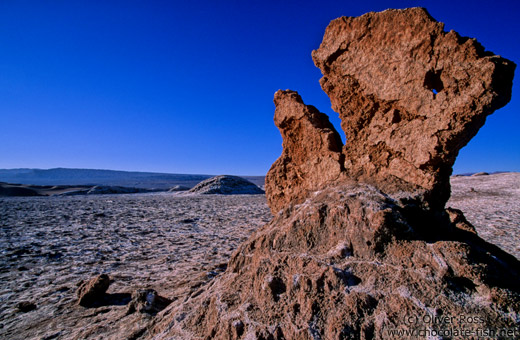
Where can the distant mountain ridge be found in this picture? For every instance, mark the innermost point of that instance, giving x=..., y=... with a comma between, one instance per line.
x=135, y=179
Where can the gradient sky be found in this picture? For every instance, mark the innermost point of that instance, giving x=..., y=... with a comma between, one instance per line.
x=187, y=87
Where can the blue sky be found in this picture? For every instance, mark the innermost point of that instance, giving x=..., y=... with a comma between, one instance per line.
x=187, y=87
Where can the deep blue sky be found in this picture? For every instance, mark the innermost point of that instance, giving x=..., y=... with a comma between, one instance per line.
x=187, y=87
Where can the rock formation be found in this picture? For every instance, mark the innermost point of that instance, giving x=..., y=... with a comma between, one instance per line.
x=226, y=185
x=361, y=246
x=92, y=292
x=147, y=301
x=351, y=263
x=311, y=157
x=409, y=95
x=7, y=190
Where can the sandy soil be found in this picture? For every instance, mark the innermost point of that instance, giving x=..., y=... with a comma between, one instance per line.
x=171, y=243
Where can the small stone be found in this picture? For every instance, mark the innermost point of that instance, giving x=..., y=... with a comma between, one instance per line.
x=147, y=301
x=92, y=292
x=25, y=306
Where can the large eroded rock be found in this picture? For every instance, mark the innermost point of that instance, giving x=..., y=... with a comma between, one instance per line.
x=409, y=95
x=361, y=246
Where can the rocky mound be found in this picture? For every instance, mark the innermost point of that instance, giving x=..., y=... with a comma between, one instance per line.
x=226, y=185
x=361, y=246
x=354, y=263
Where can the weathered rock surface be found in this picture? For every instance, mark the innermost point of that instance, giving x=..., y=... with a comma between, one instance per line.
x=409, y=95
x=353, y=263
x=311, y=157
x=226, y=185
x=92, y=292
x=361, y=245
x=147, y=301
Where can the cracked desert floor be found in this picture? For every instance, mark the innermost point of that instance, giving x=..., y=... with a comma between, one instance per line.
x=171, y=243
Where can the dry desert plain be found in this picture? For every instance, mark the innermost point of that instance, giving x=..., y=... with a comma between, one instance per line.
x=168, y=242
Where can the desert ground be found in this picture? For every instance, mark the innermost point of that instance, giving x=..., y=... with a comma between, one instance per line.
x=492, y=204
x=173, y=243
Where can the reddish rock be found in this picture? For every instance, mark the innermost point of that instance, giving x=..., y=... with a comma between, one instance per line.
x=361, y=244
x=311, y=156
x=92, y=292
x=409, y=95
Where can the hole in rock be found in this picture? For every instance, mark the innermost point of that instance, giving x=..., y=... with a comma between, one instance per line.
x=348, y=278
x=396, y=116
x=277, y=287
x=296, y=308
x=433, y=82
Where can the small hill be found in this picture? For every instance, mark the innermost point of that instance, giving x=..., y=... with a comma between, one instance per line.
x=226, y=185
